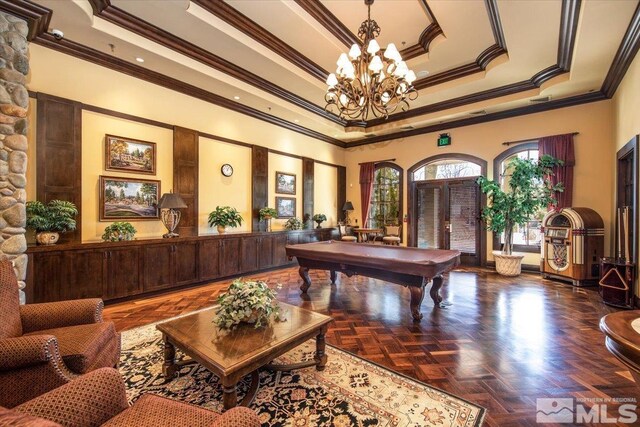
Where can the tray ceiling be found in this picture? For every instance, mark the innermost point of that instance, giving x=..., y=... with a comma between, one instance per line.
x=475, y=60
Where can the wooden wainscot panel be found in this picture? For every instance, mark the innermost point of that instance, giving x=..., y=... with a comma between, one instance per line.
x=83, y=274
x=185, y=177
x=229, y=256
x=265, y=254
x=185, y=263
x=157, y=266
x=249, y=259
x=47, y=276
x=279, y=253
x=259, y=183
x=209, y=259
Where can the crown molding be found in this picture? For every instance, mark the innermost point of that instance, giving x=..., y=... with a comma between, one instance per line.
x=250, y=28
x=115, y=15
x=86, y=53
x=37, y=17
x=624, y=56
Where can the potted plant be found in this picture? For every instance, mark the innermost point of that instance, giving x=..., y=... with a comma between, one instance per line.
x=51, y=219
x=223, y=217
x=118, y=231
x=293, y=224
x=247, y=302
x=319, y=218
x=266, y=214
x=528, y=189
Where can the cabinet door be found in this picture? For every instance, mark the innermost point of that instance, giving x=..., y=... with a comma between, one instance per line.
x=186, y=262
x=158, y=267
x=209, y=259
x=265, y=253
x=229, y=256
x=83, y=274
x=47, y=273
x=249, y=254
x=279, y=253
x=123, y=272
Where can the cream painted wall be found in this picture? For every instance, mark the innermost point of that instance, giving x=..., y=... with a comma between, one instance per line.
x=280, y=163
x=217, y=190
x=94, y=128
x=83, y=81
x=627, y=119
x=324, y=201
x=595, y=154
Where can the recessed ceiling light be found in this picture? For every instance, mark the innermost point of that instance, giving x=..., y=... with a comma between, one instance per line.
x=297, y=121
x=139, y=59
x=422, y=73
x=236, y=97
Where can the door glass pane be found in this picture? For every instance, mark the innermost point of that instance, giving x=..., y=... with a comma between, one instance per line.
x=429, y=199
x=462, y=217
x=446, y=169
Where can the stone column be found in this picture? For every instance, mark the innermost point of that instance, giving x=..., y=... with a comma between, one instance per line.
x=14, y=102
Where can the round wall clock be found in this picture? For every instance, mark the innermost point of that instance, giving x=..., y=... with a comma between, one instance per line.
x=226, y=169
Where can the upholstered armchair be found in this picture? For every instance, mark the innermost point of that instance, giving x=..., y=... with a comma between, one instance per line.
x=344, y=235
x=99, y=398
x=43, y=346
x=392, y=235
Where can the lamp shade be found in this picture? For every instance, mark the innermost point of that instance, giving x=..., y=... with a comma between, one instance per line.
x=171, y=201
x=348, y=206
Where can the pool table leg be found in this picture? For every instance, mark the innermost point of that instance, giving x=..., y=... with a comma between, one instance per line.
x=417, y=295
x=435, y=292
x=306, y=281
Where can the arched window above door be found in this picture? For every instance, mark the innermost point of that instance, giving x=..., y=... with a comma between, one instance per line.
x=446, y=167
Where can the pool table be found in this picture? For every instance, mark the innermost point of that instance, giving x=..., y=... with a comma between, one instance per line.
x=410, y=267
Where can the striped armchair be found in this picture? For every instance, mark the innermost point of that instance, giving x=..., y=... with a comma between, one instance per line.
x=43, y=346
x=99, y=399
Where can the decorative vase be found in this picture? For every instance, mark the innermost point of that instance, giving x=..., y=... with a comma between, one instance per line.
x=221, y=229
x=319, y=222
x=47, y=237
x=508, y=265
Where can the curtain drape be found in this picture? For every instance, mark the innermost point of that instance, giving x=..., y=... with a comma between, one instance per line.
x=561, y=147
x=367, y=171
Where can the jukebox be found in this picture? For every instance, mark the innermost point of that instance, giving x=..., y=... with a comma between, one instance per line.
x=573, y=245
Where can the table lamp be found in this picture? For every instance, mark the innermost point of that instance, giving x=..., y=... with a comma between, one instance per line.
x=169, y=204
x=348, y=206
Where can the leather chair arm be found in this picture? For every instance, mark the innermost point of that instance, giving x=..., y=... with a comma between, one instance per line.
x=22, y=352
x=49, y=315
x=237, y=417
x=89, y=400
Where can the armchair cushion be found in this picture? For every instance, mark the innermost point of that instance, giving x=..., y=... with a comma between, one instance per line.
x=89, y=400
x=10, y=326
x=87, y=347
x=21, y=352
x=12, y=418
x=156, y=411
x=50, y=315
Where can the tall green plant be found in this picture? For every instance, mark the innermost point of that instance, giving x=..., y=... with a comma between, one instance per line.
x=57, y=215
x=528, y=189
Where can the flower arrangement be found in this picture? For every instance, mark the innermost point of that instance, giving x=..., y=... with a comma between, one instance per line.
x=293, y=224
x=249, y=302
x=319, y=218
x=267, y=213
x=118, y=231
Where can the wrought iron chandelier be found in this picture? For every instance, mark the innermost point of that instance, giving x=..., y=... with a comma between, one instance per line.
x=368, y=79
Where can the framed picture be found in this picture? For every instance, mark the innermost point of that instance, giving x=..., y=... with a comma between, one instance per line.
x=128, y=198
x=285, y=183
x=129, y=155
x=286, y=207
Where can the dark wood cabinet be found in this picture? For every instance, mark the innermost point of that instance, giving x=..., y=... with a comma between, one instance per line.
x=123, y=269
x=122, y=272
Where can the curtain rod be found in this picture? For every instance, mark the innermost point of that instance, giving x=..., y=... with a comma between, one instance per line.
x=379, y=161
x=534, y=139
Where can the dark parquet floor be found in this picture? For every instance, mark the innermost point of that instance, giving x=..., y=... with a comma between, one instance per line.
x=502, y=344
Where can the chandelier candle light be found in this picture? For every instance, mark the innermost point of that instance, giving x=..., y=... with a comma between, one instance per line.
x=169, y=204
x=373, y=80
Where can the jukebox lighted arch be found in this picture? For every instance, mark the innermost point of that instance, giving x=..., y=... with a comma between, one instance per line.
x=573, y=244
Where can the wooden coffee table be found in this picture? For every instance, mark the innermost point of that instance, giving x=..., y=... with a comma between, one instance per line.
x=233, y=355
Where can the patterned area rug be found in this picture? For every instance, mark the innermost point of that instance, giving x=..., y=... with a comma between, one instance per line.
x=349, y=392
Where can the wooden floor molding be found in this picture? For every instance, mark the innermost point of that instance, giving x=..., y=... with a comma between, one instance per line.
x=502, y=344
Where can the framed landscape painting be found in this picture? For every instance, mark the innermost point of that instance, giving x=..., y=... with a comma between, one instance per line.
x=129, y=155
x=286, y=207
x=285, y=183
x=128, y=198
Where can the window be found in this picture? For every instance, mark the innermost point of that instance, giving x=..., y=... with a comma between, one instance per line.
x=386, y=196
x=527, y=238
x=447, y=169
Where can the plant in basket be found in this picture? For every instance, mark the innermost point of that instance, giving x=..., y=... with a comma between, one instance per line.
x=250, y=301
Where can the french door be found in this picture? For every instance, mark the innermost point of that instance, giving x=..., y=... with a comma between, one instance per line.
x=446, y=215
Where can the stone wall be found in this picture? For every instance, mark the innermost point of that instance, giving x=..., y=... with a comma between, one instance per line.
x=14, y=101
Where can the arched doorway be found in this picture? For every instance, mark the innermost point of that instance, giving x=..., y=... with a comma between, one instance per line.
x=445, y=203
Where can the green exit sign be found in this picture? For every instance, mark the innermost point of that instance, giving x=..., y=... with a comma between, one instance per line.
x=444, y=140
